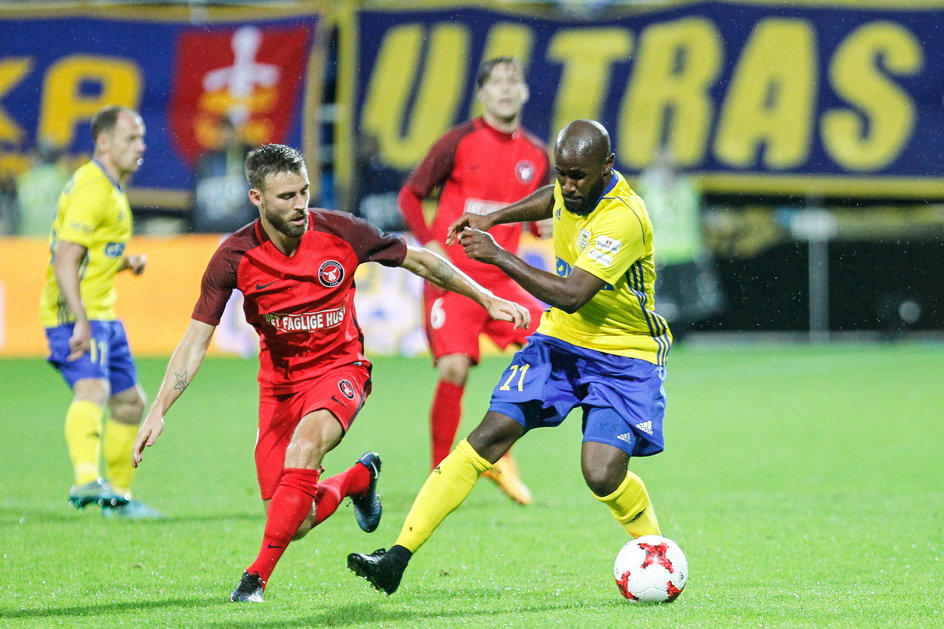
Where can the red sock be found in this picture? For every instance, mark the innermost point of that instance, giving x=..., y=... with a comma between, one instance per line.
x=444, y=418
x=290, y=505
x=331, y=491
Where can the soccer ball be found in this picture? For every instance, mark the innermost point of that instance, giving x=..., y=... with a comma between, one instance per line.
x=651, y=569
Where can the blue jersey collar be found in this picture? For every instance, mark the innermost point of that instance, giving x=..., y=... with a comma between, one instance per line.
x=608, y=189
x=105, y=172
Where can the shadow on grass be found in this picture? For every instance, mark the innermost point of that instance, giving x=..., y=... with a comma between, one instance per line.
x=79, y=611
x=375, y=613
x=370, y=613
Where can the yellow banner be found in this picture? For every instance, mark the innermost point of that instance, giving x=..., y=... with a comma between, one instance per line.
x=156, y=306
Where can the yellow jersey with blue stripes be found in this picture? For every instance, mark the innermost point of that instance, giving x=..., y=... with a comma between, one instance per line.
x=93, y=212
x=613, y=243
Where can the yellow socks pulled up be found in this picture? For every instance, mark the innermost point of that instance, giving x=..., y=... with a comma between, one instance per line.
x=83, y=431
x=445, y=489
x=632, y=508
x=119, y=439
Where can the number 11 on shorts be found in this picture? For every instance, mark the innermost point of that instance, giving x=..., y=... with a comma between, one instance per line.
x=515, y=371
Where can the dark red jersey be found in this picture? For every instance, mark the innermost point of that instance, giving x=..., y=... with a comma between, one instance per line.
x=480, y=170
x=301, y=305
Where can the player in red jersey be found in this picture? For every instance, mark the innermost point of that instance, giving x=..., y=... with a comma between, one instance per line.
x=480, y=166
x=295, y=267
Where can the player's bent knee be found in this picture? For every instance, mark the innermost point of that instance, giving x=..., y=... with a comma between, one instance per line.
x=127, y=412
x=94, y=390
x=303, y=453
x=454, y=368
x=316, y=434
x=127, y=407
x=604, y=467
x=603, y=482
x=495, y=435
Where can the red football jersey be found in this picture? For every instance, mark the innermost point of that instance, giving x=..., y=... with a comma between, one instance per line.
x=480, y=169
x=301, y=305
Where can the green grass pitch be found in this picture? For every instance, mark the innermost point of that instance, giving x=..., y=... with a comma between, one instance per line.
x=804, y=484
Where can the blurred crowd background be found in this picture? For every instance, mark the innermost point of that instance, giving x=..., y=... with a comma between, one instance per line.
x=791, y=154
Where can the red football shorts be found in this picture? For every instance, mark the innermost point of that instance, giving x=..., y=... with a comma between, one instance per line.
x=342, y=392
x=454, y=322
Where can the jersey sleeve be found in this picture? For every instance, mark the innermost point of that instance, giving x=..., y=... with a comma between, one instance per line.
x=544, y=171
x=437, y=166
x=548, y=177
x=219, y=280
x=369, y=243
x=411, y=208
x=373, y=245
x=616, y=242
x=82, y=213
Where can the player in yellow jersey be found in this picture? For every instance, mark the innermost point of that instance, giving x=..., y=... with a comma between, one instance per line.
x=87, y=343
x=601, y=346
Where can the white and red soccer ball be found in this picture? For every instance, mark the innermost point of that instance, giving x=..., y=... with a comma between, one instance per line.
x=651, y=569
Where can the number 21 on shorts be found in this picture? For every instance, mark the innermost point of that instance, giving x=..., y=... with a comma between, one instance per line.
x=517, y=371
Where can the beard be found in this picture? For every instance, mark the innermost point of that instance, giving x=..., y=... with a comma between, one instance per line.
x=580, y=207
x=283, y=226
x=584, y=205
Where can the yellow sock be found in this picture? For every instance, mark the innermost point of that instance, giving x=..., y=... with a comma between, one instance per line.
x=119, y=439
x=83, y=437
x=632, y=508
x=444, y=490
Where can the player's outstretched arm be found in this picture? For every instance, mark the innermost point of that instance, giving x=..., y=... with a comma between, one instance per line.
x=567, y=293
x=181, y=369
x=534, y=207
x=438, y=270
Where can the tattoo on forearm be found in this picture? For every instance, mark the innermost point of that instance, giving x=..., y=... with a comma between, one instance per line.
x=181, y=383
x=445, y=274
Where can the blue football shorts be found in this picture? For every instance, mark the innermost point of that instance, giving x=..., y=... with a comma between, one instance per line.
x=109, y=356
x=622, y=398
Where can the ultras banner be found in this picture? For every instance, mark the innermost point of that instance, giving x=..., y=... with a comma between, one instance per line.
x=753, y=97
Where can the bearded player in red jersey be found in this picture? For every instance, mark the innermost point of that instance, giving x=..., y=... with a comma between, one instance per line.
x=480, y=166
x=295, y=267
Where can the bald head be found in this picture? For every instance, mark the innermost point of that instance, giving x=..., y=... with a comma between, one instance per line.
x=584, y=164
x=583, y=138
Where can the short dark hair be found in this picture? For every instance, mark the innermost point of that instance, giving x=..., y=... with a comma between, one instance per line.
x=270, y=159
x=485, y=69
x=106, y=118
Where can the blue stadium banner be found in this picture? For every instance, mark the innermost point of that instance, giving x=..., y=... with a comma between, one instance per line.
x=182, y=70
x=800, y=98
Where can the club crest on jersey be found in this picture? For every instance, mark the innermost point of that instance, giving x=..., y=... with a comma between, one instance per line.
x=525, y=171
x=583, y=239
x=346, y=389
x=331, y=273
